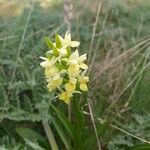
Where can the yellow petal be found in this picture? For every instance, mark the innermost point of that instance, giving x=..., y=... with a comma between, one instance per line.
x=72, y=80
x=50, y=71
x=62, y=52
x=73, y=70
x=65, y=97
x=74, y=55
x=83, y=87
x=83, y=79
x=67, y=37
x=70, y=87
x=45, y=64
x=83, y=66
x=82, y=58
x=74, y=43
x=54, y=84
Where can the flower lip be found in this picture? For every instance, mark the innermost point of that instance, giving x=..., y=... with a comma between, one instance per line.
x=65, y=97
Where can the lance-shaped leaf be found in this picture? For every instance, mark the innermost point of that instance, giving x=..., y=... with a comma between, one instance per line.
x=58, y=41
x=50, y=45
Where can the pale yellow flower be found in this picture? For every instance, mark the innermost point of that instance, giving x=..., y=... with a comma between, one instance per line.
x=83, y=80
x=65, y=96
x=54, y=82
x=73, y=70
x=70, y=87
x=81, y=60
x=51, y=71
x=75, y=63
x=75, y=59
x=62, y=52
x=83, y=86
x=67, y=41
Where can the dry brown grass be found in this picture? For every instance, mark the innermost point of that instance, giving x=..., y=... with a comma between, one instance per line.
x=115, y=71
x=10, y=8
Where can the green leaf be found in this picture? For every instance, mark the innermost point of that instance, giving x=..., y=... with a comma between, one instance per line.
x=141, y=147
x=32, y=135
x=61, y=133
x=64, y=120
x=27, y=133
x=68, y=50
x=58, y=41
x=49, y=43
x=55, y=51
x=102, y=128
x=80, y=120
x=33, y=145
x=20, y=115
x=6, y=62
x=48, y=55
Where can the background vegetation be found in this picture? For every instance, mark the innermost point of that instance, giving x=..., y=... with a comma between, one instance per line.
x=114, y=114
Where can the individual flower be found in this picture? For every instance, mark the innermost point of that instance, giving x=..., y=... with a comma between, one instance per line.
x=73, y=70
x=76, y=62
x=71, y=86
x=67, y=41
x=65, y=96
x=51, y=71
x=54, y=82
x=75, y=59
x=83, y=82
x=62, y=52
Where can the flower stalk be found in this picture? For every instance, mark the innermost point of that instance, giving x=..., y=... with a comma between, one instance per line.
x=65, y=70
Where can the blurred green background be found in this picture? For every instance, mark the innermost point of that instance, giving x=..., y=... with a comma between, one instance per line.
x=115, y=36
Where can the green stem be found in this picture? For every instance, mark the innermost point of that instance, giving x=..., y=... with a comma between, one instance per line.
x=50, y=135
x=69, y=112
